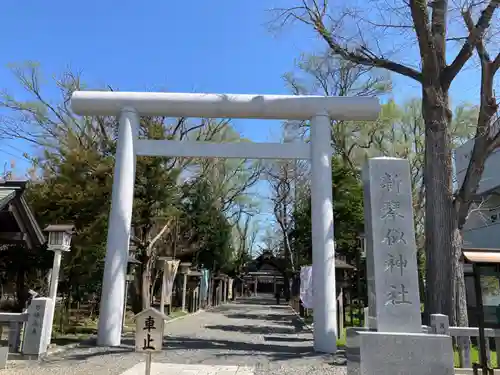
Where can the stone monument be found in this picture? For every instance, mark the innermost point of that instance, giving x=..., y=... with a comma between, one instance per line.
x=36, y=330
x=393, y=343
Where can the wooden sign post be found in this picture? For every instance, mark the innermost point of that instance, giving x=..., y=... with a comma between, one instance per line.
x=149, y=327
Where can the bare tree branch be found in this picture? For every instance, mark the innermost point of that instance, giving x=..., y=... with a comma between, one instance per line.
x=467, y=49
x=362, y=55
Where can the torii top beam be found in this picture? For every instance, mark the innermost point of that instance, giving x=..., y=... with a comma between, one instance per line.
x=275, y=107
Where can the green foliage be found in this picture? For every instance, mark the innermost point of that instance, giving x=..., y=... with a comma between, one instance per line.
x=75, y=178
x=156, y=194
x=25, y=269
x=76, y=189
x=212, y=231
x=490, y=285
x=348, y=215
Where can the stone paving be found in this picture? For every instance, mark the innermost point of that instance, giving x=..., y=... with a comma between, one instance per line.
x=181, y=369
x=249, y=336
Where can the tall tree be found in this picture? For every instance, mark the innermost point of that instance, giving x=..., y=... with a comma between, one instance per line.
x=430, y=27
x=245, y=240
x=327, y=74
x=205, y=226
x=231, y=180
x=74, y=187
x=75, y=156
x=280, y=179
x=399, y=130
x=348, y=214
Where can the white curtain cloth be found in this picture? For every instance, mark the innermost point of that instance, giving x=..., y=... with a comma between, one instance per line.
x=306, y=287
x=170, y=272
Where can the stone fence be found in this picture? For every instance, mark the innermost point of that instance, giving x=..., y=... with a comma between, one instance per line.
x=29, y=332
x=15, y=323
x=462, y=338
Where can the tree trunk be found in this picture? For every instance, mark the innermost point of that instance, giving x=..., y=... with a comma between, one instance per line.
x=482, y=147
x=286, y=286
x=67, y=308
x=135, y=293
x=421, y=284
x=146, y=283
x=460, y=318
x=421, y=274
x=439, y=212
x=140, y=292
x=21, y=289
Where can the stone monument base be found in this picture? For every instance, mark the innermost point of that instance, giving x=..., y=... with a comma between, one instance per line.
x=388, y=353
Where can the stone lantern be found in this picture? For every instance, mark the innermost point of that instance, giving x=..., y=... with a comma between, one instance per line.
x=59, y=240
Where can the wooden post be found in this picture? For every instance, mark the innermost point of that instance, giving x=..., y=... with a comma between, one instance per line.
x=483, y=359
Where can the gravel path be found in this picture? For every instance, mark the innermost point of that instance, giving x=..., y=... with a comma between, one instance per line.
x=250, y=332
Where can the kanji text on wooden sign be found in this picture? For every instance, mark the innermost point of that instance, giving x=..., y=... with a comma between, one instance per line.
x=149, y=325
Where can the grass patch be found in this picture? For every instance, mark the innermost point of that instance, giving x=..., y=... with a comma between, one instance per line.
x=177, y=314
x=308, y=320
x=340, y=342
x=474, y=357
x=74, y=328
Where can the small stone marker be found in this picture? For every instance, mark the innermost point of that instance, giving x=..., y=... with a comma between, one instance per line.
x=35, y=341
x=365, y=317
x=4, y=355
x=394, y=301
x=440, y=324
x=149, y=326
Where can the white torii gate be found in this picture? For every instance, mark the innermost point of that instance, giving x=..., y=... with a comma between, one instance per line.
x=130, y=105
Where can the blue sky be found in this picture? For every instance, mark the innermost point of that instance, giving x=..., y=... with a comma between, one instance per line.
x=180, y=46
x=202, y=46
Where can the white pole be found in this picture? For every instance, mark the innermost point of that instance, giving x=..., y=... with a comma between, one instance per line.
x=54, y=281
x=54, y=275
x=148, y=363
x=120, y=217
x=163, y=288
x=324, y=298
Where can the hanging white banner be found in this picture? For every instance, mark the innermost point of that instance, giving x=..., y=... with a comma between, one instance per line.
x=306, y=287
x=170, y=272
